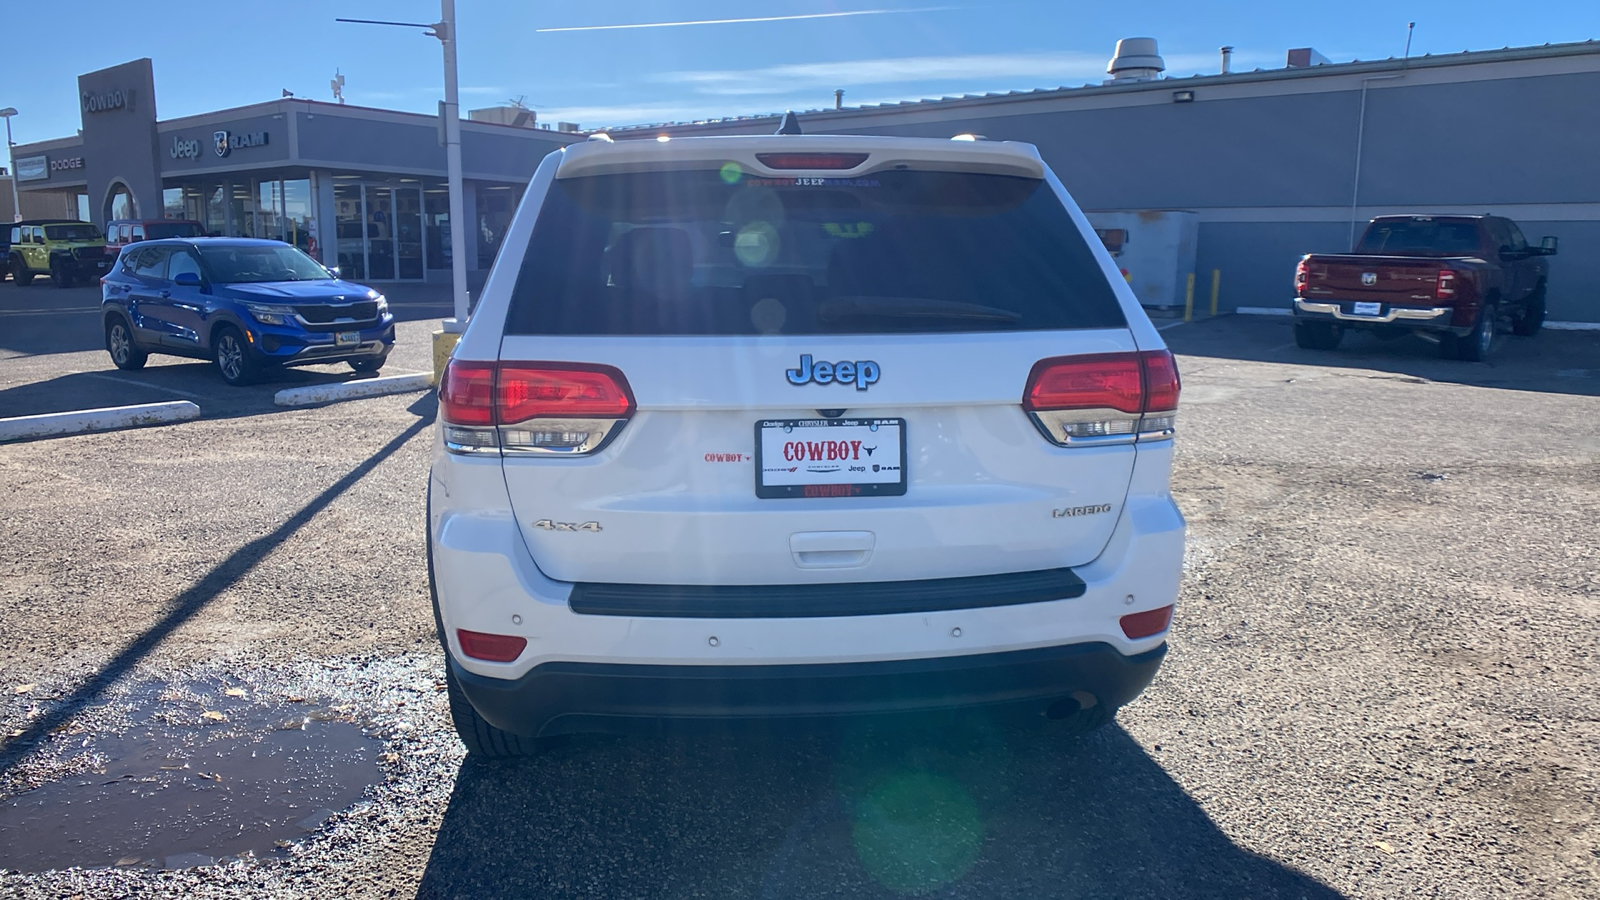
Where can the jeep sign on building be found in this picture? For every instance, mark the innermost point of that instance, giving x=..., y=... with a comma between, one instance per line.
x=363, y=189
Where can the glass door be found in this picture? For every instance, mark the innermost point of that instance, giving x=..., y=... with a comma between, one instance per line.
x=408, y=232
x=380, y=232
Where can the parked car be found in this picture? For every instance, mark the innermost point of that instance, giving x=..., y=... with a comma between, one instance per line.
x=1456, y=280
x=248, y=305
x=122, y=232
x=66, y=250
x=751, y=427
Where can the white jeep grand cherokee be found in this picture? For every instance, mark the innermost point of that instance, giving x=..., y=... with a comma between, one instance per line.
x=800, y=426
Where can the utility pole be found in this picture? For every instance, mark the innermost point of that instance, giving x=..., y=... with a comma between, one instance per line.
x=11, y=164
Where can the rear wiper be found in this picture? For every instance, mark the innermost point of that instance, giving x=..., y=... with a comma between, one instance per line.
x=844, y=308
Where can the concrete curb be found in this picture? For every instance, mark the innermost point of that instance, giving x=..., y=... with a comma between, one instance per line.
x=109, y=419
x=352, y=390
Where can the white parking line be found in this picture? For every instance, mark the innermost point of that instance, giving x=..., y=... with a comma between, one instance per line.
x=1170, y=325
x=145, y=384
x=49, y=312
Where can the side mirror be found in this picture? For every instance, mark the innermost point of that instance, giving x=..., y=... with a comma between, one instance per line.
x=1548, y=245
x=186, y=279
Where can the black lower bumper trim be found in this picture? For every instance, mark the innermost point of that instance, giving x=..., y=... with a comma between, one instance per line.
x=566, y=697
x=790, y=601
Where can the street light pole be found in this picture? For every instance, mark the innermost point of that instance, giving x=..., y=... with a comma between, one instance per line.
x=11, y=164
x=446, y=33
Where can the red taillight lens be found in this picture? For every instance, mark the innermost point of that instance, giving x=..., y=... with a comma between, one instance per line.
x=1128, y=382
x=1302, y=275
x=561, y=390
x=1144, y=624
x=811, y=160
x=1099, y=381
x=1161, y=382
x=1446, y=288
x=466, y=393
x=491, y=647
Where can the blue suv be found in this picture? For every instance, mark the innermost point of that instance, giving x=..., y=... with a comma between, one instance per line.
x=247, y=305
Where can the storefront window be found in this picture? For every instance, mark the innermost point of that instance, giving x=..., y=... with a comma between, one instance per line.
x=436, y=215
x=242, y=208
x=269, y=209
x=352, y=260
x=83, y=208
x=121, y=205
x=297, y=212
x=172, y=204
x=216, y=211
x=495, y=205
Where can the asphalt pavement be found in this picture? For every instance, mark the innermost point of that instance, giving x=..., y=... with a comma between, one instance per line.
x=1381, y=679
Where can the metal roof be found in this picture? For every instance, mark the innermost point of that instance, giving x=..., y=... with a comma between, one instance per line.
x=1466, y=57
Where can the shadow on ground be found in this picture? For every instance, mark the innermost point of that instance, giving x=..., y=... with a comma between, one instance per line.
x=950, y=806
x=1558, y=362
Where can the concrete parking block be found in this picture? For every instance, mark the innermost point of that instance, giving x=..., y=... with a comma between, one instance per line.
x=352, y=390
x=22, y=428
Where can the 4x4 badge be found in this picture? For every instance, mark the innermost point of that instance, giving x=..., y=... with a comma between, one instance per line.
x=548, y=525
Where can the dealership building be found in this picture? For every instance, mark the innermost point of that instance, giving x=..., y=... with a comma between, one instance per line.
x=1266, y=164
x=363, y=189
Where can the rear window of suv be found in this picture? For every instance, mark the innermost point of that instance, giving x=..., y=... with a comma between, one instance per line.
x=723, y=253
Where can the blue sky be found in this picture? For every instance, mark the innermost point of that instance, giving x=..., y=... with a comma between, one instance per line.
x=212, y=55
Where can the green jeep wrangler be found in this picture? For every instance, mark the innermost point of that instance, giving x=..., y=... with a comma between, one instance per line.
x=66, y=250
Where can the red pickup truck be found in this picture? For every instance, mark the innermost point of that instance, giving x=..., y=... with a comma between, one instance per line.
x=1454, y=280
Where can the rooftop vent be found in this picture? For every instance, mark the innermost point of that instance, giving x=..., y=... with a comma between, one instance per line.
x=1305, y=56
x=567, y=127
x=518, y=116
x=1136, y=59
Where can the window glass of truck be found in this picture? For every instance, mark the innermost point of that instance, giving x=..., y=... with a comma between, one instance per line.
x=717, y=252
x=1421, y=237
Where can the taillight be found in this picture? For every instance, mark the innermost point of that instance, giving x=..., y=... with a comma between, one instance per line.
x=491, y=647
x=1446, y=287
x=1146, y=624
x=811, y=160
x=1302, y=275
x=531, y=407
x=1104, y=397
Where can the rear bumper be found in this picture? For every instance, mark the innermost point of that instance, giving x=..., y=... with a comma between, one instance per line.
x=1422, y=318
x=564, y=697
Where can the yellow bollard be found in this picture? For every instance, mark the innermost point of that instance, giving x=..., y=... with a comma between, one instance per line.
x=1188, y=300
x=444, y=342
x=1216, y=284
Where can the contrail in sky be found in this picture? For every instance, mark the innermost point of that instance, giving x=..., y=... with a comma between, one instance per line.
x=827, y=15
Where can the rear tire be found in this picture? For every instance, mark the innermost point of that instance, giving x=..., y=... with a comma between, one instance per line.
x=125, y=354
x=20, y=272
x=1317, y=335
x=1531, y=319
x=232, y=356
x=1477, y=344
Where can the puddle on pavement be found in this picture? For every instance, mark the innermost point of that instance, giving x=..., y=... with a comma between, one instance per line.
x=199, y=776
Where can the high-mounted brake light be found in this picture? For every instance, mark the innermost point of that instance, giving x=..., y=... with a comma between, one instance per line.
x=1446, y=287
x=813, y=161
x=532, y=407
x=1105, y=397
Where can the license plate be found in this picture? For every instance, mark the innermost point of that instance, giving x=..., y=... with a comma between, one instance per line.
x=100, y=265
x=830, y=458
x=1368, y=309
x=347, y=338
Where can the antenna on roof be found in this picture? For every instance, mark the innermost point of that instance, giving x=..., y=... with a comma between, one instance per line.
x=1410, y=27
x=791, y=123
x=337, y=83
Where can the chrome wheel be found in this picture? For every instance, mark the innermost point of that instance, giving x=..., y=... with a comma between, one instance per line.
x=121, y=345
x=230, y=357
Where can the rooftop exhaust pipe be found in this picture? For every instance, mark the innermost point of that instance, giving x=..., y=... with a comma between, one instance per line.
x=1136, y=59
x=1227, y=60
x=838, y=99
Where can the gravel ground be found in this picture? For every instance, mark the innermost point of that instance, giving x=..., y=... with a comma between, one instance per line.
x=1381, y=680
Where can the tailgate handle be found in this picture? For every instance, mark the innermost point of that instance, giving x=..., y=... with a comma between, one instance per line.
x=831, y=549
